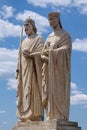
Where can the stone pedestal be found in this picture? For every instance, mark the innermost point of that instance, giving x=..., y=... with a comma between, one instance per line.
x=47, y=125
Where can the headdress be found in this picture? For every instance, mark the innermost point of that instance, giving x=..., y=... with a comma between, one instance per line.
x=53, y=14
x=32, y=22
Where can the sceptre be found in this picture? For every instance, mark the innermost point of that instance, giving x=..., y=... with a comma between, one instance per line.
x=20, y=73
x=19, y=63
x=21, y=34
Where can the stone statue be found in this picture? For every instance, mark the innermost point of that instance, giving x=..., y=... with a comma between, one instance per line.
x=29, y=75
x=56, y=55
x=43, y=74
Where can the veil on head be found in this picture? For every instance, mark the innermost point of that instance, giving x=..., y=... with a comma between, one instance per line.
x=55, y=14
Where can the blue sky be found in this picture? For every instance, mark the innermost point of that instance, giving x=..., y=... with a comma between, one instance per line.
x=74, y=20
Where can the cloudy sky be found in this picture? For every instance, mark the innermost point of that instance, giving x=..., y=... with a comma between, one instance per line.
x=74, y=20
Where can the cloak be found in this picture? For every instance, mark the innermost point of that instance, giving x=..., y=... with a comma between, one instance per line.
x=56, y=75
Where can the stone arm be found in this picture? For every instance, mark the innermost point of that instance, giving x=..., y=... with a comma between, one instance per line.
x=37, y=48
x=45, y=54
x=63, y=44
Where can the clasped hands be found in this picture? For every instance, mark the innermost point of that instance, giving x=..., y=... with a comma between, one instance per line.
x=26, y=54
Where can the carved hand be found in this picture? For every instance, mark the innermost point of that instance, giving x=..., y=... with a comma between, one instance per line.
x=44, y=58
x=26, y=54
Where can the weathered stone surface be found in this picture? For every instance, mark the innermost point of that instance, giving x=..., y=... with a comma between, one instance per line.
x=29, y=73
x=56, y=55
x=47, y=125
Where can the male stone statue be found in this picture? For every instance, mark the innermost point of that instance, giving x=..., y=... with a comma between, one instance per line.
x=29, y=75
x=56, y=55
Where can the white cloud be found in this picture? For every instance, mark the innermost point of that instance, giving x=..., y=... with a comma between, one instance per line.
x=77, y=97
x=7, y=11
x=12, y=83
x=8, y=62
x=44, y=3
x=84, y=9
x=81, y=5
x=80, y=45
x=41, y=22
x=8, y=29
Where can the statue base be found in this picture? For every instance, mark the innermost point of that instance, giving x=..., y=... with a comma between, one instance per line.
x=47, y=125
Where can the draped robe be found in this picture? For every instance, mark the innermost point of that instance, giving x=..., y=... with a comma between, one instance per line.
x=56, y=75
x=29, y=80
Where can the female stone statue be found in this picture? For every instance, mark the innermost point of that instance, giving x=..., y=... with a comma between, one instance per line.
x=56, y=55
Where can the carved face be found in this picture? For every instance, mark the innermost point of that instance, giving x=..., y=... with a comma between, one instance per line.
x=53, y=21
x=28, y=28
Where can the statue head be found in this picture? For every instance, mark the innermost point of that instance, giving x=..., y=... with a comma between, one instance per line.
x=30, y=27
x=54, y=19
